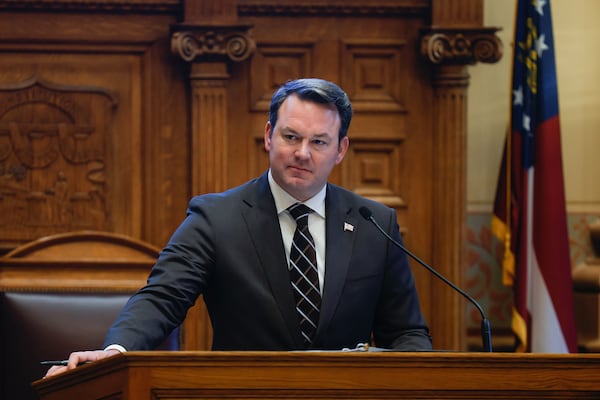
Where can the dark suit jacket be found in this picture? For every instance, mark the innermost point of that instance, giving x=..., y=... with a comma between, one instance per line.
x=229, y=248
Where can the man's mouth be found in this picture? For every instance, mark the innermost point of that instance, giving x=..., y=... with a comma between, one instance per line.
x=298, y=169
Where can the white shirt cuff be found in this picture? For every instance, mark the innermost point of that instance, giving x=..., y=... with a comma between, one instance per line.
x=117, y=347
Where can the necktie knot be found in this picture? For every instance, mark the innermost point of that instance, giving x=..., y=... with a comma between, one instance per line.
x=300, y=213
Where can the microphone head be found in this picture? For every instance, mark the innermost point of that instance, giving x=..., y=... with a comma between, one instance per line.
x=365, y=212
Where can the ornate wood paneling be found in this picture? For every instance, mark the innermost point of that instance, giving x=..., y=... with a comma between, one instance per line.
x=53, y=157
x=93, y=122
x=60, y=159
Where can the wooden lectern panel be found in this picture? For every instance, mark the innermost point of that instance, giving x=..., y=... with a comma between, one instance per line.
x=329, y=375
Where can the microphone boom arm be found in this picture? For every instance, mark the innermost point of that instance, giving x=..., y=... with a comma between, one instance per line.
x=485, y=323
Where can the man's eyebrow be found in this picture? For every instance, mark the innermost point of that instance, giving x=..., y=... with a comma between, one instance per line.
x=287, y=129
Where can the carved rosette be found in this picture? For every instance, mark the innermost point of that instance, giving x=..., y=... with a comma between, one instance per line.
x=462, y=47
x=208, y=43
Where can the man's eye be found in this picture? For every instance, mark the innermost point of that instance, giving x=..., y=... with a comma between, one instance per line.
x=319, y=142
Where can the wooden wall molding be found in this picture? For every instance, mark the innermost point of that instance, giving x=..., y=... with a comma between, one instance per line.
x=373, y=166
x=271, y=64
x=154, y=6
x=369, y=76
x=333, y=8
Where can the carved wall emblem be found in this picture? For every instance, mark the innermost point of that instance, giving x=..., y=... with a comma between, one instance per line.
x=52, y=158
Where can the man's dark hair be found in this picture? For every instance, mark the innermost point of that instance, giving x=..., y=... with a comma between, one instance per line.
x=318, y=91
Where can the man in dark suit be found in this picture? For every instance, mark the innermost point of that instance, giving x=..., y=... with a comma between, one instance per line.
x=235, y=248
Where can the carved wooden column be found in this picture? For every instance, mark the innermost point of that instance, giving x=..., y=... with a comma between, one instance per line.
x=209, y=39
x=209, y=49
x=455, y=40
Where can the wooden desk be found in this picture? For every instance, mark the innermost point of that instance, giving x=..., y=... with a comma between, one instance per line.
x=329, y=375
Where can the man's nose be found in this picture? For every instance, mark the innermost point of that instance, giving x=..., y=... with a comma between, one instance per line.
x=303, y=150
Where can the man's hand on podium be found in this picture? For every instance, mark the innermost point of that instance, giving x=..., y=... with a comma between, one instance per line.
x=77, y=358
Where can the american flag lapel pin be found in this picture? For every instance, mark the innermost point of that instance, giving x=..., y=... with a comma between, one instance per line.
x=348, y=227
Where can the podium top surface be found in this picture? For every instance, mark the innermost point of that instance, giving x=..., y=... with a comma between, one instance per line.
x=138, y=375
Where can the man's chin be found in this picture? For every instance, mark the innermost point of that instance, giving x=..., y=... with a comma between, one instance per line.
x=298, y=177
x=297, y=186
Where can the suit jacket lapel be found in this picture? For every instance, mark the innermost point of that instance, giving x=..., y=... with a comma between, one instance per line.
x=339, y=234
x=260, y=216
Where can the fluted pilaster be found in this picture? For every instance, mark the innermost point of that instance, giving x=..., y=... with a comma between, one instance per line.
x=450, y=50
x=208, y=48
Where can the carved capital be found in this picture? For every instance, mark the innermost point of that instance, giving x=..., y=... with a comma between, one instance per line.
x=209, y=43
x=461, y=46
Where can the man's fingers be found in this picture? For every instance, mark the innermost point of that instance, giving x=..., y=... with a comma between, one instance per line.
x=55, y=370
x=78, y=358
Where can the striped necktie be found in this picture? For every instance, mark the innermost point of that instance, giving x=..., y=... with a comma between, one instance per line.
x=303, y=273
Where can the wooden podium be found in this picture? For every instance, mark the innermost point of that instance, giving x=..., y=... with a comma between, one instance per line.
x=328, y=375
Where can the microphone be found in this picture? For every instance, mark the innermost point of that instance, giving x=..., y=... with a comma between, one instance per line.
x=486, y=335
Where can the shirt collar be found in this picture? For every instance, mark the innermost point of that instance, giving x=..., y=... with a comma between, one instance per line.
x=283, y=199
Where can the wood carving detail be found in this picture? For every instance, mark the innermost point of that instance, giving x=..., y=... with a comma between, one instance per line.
x=52, y=158
x=465, y=46
x=205, y=43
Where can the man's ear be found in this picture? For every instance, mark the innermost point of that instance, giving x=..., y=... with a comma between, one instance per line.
x=267, y=138
x=342, y=149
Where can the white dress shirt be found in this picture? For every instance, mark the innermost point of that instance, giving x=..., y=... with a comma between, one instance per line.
x=316, y=222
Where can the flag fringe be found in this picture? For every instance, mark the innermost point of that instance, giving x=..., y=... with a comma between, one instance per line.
x=501, y=231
